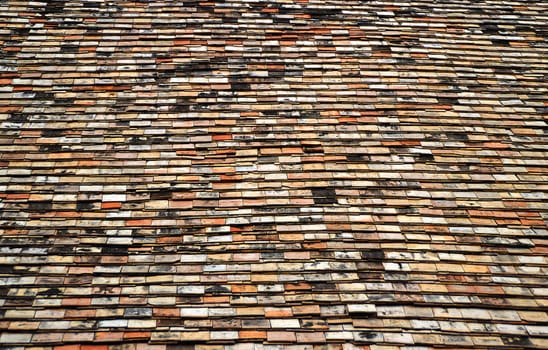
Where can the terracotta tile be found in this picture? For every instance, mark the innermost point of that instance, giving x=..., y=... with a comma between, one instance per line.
x=281, y=336
x=252, y=335
x=238, y=288
x=312, y=337
x=278, y=312
x=109, y=336
x=67, y=347
x=140, y=222
x=111, y=205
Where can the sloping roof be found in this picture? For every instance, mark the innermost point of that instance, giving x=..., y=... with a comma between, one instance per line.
x=366, y=174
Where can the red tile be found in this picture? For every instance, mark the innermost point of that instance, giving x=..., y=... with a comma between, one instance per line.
x=111, y=205
x=108, y=337
x=222, y=137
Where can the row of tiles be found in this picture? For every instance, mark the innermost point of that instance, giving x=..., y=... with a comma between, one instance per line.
x=388, y=338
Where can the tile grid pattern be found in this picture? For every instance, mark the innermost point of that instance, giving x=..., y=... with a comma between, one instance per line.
x=316, y=173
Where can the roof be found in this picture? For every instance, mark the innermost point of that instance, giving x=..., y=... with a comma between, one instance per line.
x=258, y=175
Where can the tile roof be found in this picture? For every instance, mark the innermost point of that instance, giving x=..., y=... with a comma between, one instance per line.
x=258, y=174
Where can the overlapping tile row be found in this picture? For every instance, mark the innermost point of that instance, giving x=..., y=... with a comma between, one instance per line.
x=347, y=174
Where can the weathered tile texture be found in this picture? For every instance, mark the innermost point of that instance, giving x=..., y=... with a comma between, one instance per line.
x=363, y=174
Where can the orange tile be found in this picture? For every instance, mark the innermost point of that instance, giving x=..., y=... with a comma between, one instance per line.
x=108, y=337
x=137, y=335
x=139, y=222
x=278, y=312
x=111, y=205
x=252, y=335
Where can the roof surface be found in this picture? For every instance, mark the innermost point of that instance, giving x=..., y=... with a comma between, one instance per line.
x=367, y=174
